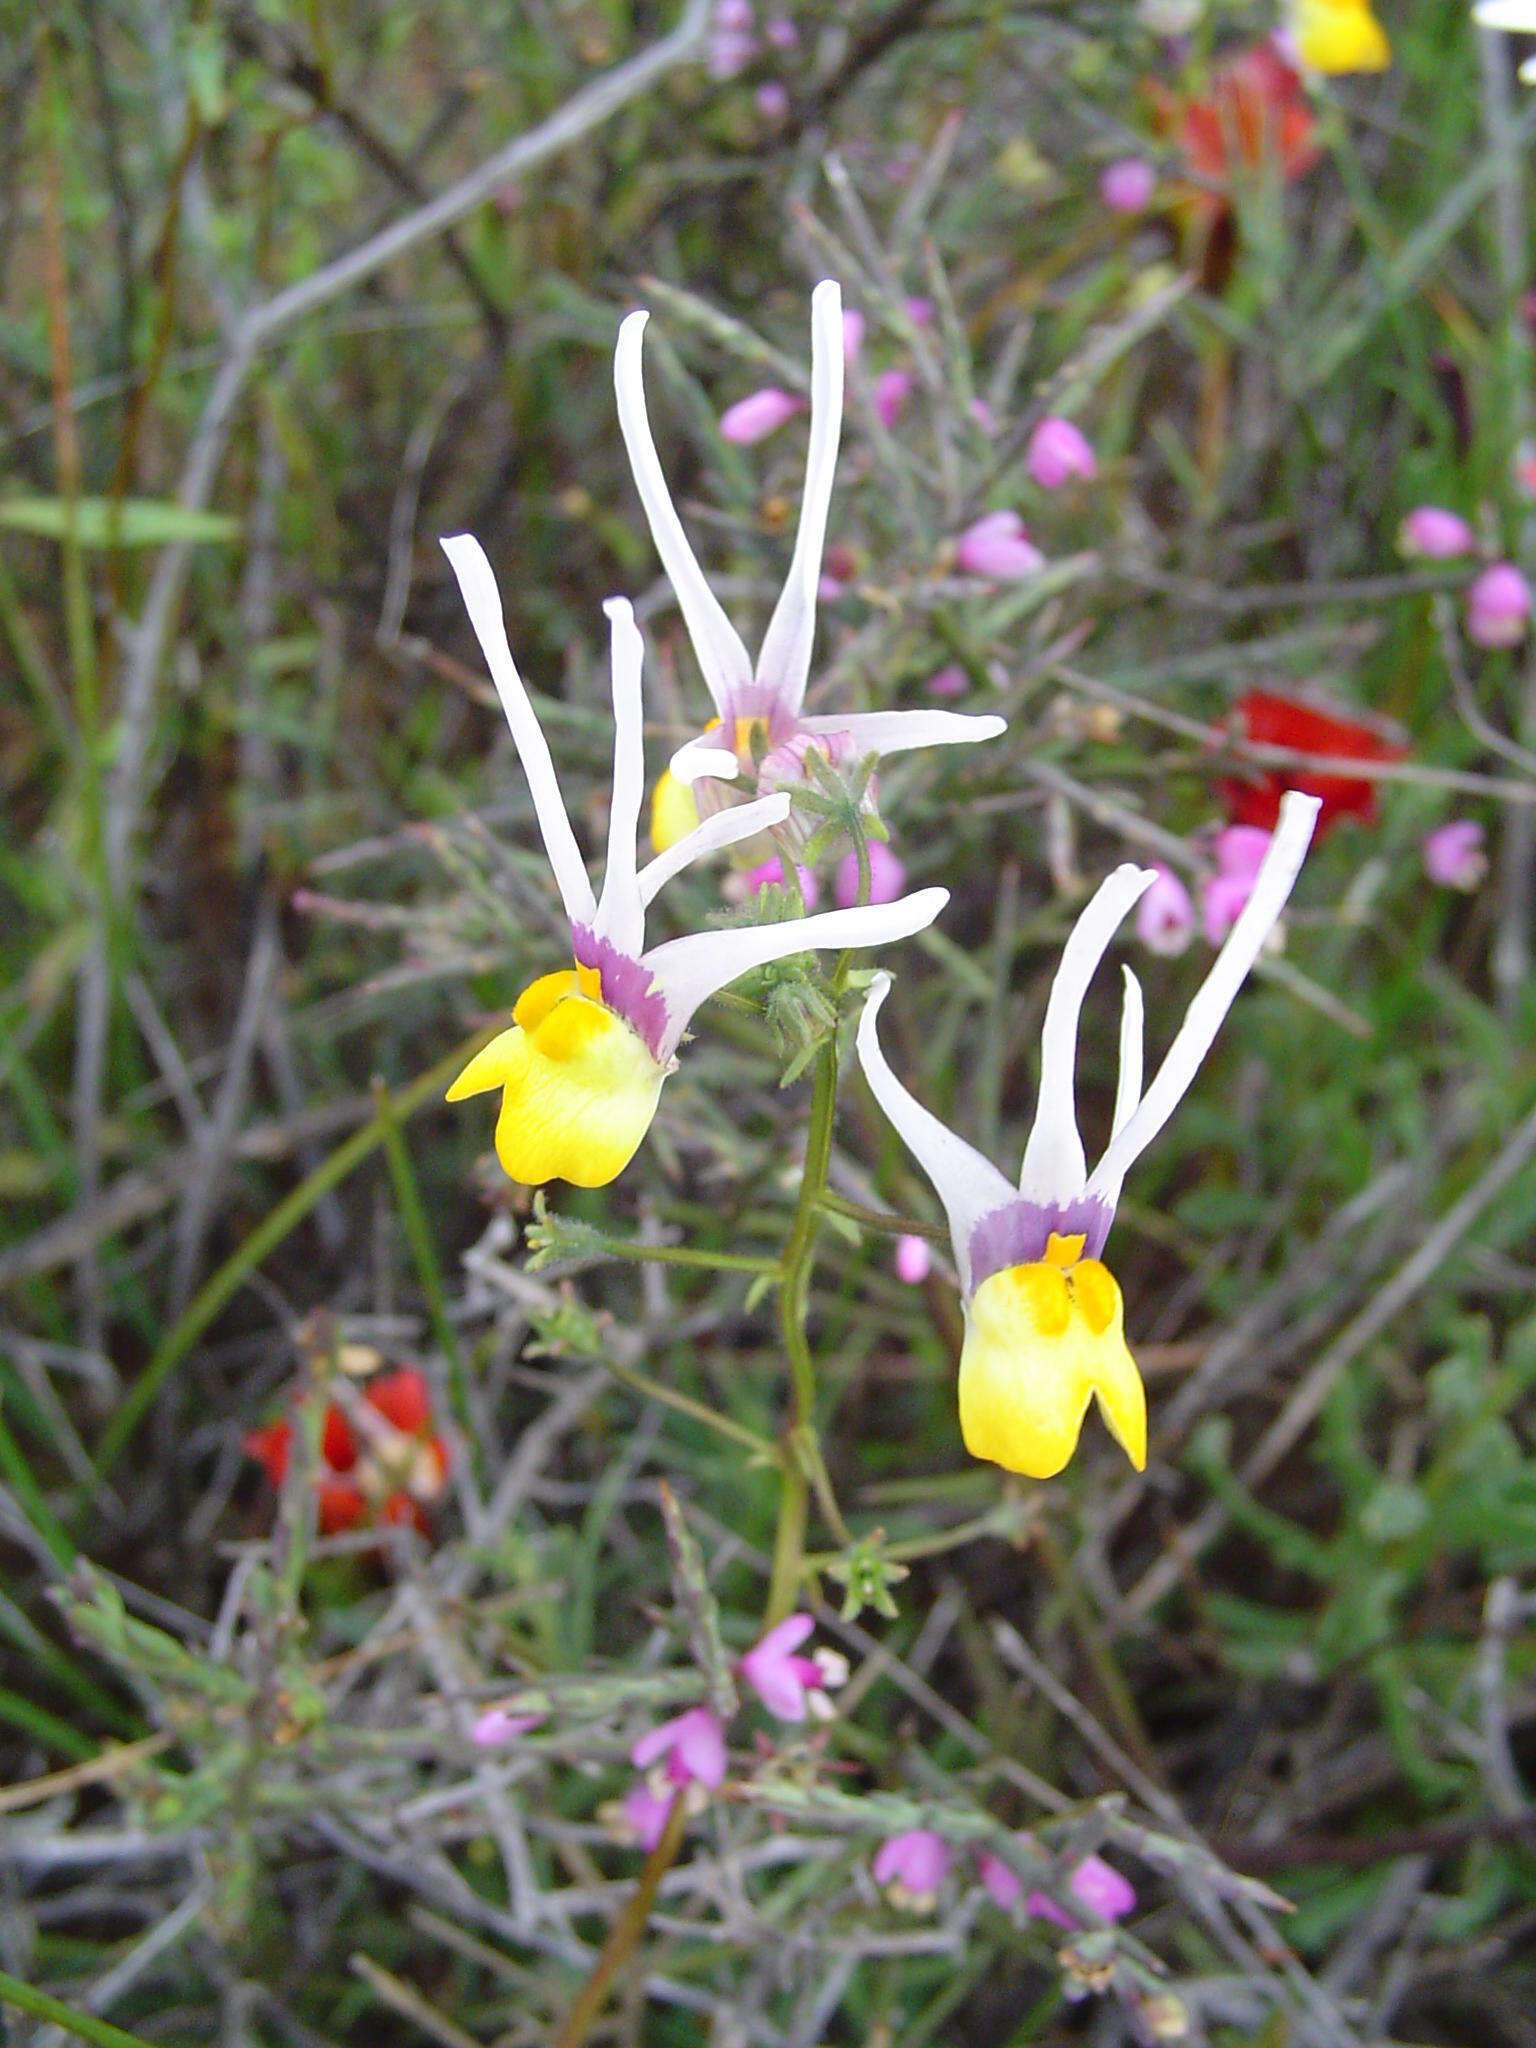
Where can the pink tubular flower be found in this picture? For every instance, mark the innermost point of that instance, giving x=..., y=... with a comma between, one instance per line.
x=1057, y=453
x=1001, y=1882
x=771, y=871
x=853, y=334
x=1097, y=1884
x=1223, y=899
x=887, y=877
x=892, y=389
x=781, y=32
x=1453, y=855
x=949, y=681
x=1240, y=850
x=780, y=1679
x=914, y=1260
x=912, y=1866
x=920, y=311
x=645, y=1813
x=496, y=1726
x=998, y=547
x=772, y=99
x=1435, y=535
x=1499, y=607
x=690, y=1747
x=759, y=414
x=1126, y=185
x=1165, y=917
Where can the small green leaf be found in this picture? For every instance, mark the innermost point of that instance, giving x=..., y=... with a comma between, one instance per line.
x=125, y=523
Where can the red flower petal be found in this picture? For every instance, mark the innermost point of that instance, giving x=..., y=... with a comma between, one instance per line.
x=1256, y=116
x=338, y=1446
x=1275, y=721
x=400, y=1509
x=342, y=1506
x=402, y=1398
x=271, y=1447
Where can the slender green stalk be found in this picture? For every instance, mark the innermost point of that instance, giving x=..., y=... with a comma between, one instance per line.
x=794, y=1299
x=17, y=1474
x=83, y=2025
x=723, y=1425
x=1008, y=1521
x=50, y=1729
x=18, y=1628
x=419, y=1236
x=759, y=1263
x=32, y=663
x=286, y=1217
x=788, y=1543
x=881, y=1219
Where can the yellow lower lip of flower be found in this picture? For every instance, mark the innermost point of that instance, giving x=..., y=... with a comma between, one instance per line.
x=579, y=1086
x=674, y=812
x=1335, y=36
x=1041, y=1342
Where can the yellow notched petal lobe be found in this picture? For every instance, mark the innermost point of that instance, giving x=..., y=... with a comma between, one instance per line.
x=541, y=996
x=1335, y=36
x=489, y=1067
x=1041, y=1342
x=579, y=1094
x=674, y=812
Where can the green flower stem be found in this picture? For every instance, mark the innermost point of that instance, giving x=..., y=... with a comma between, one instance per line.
x=1010, y=1521
x=413, y=1217
x=723, y=1425
x=881, y=1219
x=794, y=1299
x=83, y=2025
x=758, y=1263
x=788, y=1544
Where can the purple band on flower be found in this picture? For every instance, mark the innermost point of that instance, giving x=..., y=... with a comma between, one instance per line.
x=1018, y=1233
x=628, y=989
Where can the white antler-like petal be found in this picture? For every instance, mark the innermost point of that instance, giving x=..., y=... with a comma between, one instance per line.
x=968, y=1185
x=724, y=828
x=1128, y=1087
x=1054, y=1166
x=1271, y=891
x=785, y=660
x=898, y=732
x=704, y=756
x=690, y=970
x=621, y=907
x=477, y=582
x=726, y=664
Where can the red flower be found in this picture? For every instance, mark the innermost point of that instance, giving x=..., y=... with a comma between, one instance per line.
x=1275, y=721
x=384, y=1473
x=1256, y=117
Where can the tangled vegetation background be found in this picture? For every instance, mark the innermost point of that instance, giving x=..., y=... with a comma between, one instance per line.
x=362, y=1518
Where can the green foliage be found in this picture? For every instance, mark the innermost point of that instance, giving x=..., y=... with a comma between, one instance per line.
x=242, y=1795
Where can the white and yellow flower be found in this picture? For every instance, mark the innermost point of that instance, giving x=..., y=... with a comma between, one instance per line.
x=760, y=733
x=582, y=1065
x=1044, y=1319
